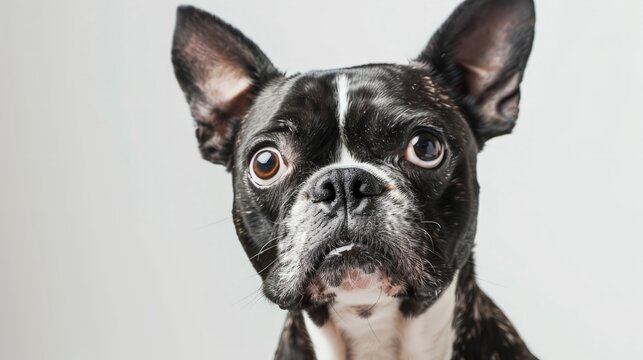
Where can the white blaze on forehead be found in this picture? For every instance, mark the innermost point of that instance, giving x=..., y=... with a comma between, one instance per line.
x=342, y=109
x=342, y=100
x=345, y=157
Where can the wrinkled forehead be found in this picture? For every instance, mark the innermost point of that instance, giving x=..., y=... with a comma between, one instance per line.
x=361, y=107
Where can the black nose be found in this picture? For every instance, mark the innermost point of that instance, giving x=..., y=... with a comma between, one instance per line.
x=346, y=189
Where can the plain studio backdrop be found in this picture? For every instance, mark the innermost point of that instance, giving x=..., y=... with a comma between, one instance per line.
x=117, y=241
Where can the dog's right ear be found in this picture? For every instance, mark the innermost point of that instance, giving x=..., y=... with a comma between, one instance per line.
x=220, y=72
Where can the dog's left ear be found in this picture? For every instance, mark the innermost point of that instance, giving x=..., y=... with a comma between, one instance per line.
x=220, y=71
x=480, y=53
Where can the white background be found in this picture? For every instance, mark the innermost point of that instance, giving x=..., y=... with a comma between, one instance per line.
x=116, y=240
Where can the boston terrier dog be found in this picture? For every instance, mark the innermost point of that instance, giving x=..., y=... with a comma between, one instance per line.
x=355, y=190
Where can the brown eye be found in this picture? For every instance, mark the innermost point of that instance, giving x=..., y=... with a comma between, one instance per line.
x=266, y=167
x=425, y=150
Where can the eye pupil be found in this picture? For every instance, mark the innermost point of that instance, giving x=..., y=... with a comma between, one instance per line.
x=425, y=150
x=426, y=147
x=266, y=164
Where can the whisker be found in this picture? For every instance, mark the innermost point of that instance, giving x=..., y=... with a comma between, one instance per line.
x=336, y=313
x=491, y=282
x=432, y=222
x=250, y=298
x=267, y=266
x=376, y=301
x=264, y=245
x=263, y=251
x=216, y=222
x=369, y=320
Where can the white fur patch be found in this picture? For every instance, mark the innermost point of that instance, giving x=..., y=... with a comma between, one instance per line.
x=327, y=342
x=385, y=334
x=345, y=157
x=342, y=99
x=342, y=107
x=431, y=335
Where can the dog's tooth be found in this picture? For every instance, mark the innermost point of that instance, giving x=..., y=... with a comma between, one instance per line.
x=338, y=251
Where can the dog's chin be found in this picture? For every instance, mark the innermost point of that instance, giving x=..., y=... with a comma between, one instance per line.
x=352, y=268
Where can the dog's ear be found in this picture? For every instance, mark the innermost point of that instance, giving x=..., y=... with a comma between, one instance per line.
x=480, y=53
x=220, y=72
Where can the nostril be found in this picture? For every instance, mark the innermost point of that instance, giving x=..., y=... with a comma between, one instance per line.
x=324, y=192
x=369, y=186
x=360, y=189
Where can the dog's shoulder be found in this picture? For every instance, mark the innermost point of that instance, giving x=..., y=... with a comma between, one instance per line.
x=482, y=330
x=294, y=342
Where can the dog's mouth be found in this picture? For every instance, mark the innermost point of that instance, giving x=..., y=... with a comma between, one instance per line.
x=352, y=266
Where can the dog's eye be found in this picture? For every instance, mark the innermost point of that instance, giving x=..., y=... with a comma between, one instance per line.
x=425, y=150
x=266, y=167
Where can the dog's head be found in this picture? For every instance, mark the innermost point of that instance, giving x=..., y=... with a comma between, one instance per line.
x=370, y=169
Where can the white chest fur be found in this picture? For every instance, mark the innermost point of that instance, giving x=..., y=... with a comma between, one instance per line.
x=385, y=333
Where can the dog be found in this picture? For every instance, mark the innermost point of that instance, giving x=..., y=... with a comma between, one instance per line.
x=355, y=189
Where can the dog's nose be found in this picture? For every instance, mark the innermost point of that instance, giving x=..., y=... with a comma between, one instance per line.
x=349, y=189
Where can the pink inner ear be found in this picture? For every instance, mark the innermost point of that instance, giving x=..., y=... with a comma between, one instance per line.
x=217, y=68
x=220, y=81
x=502, y=103
x=224, y=84
x=484, y=50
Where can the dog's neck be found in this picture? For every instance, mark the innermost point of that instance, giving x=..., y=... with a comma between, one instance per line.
x=462, y=324
x=366, y=324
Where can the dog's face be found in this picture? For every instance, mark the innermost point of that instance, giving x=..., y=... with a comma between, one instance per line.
x=366, y=170
x=369, y=168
